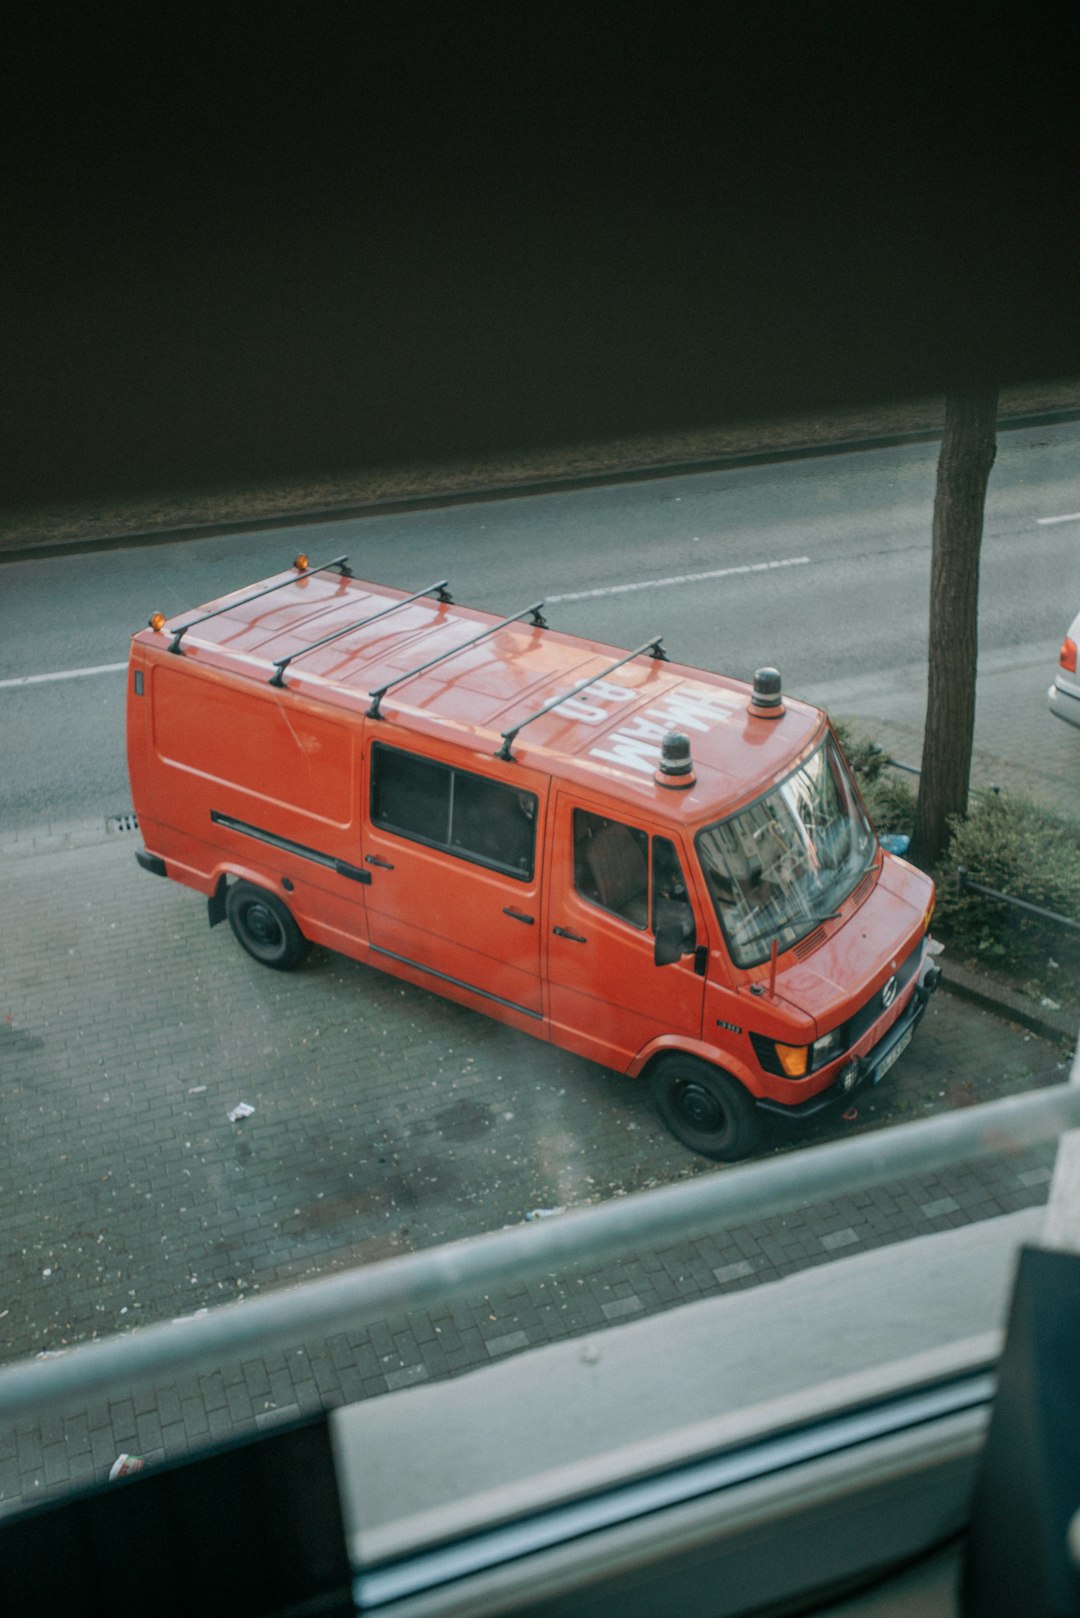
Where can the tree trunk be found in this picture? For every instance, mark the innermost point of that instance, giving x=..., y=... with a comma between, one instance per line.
x=968, y=447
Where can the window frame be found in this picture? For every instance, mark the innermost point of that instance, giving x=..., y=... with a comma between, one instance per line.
x=651, y=838
x=679, y=857
x=742, y=957
x=642, y=927
x=446, y=845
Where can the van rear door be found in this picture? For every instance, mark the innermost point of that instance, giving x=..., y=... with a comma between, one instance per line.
x=454, y=856
x=614, y=881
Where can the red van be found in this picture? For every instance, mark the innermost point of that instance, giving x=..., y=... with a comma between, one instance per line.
x=662, y=869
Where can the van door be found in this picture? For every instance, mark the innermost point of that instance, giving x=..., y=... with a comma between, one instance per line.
x=455, y=881
x=613, y=882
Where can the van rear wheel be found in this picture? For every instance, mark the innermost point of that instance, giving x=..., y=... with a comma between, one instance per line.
x=264, y=927
x=705, y=1109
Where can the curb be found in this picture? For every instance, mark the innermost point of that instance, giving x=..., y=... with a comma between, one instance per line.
x=528, y=487
x=988, y=995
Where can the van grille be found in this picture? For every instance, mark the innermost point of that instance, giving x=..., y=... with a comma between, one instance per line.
x=874, y=1006
x=867, y=1014
x=806, y=946
x=861, y=889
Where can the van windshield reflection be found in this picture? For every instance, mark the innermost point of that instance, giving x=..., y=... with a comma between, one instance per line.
x=786, y=862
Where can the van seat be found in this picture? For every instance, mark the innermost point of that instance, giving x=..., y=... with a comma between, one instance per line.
x=619, y=873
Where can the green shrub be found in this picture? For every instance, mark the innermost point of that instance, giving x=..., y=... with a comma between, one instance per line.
x=1007, y=843
x=889, y=796
x=1011, y=844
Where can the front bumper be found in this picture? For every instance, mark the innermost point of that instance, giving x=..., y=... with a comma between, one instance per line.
x=858, y=1072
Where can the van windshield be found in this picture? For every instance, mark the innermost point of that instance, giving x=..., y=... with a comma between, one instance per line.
x=782, y=865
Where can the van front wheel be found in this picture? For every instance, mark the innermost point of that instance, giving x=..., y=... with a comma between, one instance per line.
x=705, y=1109
x=264, y=927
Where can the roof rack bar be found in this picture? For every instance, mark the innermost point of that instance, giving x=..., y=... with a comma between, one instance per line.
x=282, y=663
x=304, y=572
x=377, y=696
x=509, y=736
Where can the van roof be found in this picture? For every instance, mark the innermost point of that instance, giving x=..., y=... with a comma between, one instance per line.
x=339, y=642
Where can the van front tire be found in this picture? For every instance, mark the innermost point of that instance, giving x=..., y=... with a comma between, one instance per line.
x=705, y=1109
x=264, y=927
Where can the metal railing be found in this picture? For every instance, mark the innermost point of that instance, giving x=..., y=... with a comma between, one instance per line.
x=964, y=883
x=554, y=1246
x=992, y=791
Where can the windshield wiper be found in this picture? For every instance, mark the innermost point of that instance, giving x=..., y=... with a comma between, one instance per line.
x=775, y=931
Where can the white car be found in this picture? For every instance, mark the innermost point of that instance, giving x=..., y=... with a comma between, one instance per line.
x=1064, y=695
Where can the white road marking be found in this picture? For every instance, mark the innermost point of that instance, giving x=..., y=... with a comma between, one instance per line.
x=573, y=595
x=62, y=674
x=1048, y=522
x=677, y=578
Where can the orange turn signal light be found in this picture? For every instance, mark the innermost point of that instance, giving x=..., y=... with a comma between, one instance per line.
x=1067, y=659
x=301, y=563
x=793, y=1059
x=157, y=620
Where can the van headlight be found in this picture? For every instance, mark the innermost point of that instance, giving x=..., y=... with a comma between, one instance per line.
x=827, y=1048
x=796, y=1061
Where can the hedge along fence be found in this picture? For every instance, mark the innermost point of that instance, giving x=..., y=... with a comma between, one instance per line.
x=1007, y=843
x=889, y=798
x=1026, y=853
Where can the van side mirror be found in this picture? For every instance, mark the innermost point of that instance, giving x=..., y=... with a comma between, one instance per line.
x=672, y=943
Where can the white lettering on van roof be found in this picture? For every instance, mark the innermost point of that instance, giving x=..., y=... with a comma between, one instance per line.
x=636, y=743
x=637, y=753
x=592, y=712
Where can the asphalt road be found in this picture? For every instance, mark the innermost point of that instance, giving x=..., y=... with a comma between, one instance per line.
x=820, y=567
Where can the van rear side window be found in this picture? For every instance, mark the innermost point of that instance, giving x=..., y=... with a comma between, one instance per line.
x=454, y=810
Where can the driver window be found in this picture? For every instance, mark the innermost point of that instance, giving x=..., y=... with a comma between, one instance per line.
x=611, y=866
x=671, y=902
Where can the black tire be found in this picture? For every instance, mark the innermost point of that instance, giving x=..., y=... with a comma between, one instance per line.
x=264, y=927
x=705, y=1109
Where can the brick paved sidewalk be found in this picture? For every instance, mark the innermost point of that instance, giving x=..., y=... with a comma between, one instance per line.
x=39, y=1458
x=385, y=1120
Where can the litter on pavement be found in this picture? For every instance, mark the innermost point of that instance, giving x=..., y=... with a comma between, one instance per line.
x=124, y=1465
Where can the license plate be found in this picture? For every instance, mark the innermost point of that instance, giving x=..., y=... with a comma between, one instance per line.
x=893, y=1056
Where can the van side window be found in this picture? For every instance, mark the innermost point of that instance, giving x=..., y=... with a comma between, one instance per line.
x=670, y=901
x=410, y=795
x=454, y=810
x=611, y=866
x=493, y=823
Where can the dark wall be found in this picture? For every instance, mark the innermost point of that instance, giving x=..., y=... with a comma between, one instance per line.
x=340, y=235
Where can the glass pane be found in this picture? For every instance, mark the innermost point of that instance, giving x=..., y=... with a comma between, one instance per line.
x=410, y=795
x=671, y=903
x=611, y=866
x=494, y=823
x=782, y=865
